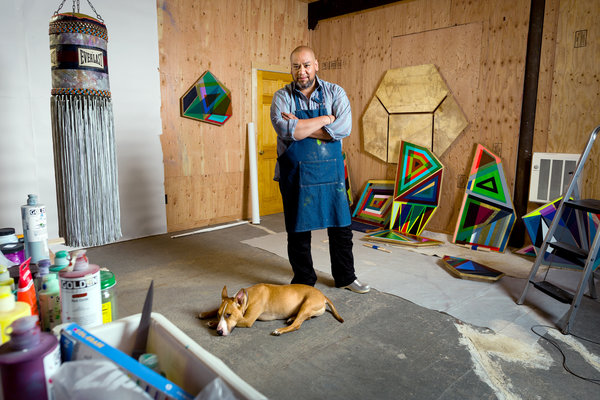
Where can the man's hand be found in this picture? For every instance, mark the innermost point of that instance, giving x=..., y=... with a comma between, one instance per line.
x=288, y=116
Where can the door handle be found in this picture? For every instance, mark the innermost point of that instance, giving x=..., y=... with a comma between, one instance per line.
x=261, y=152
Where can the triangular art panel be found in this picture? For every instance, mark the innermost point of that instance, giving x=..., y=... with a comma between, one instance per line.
x=467, y=269
x=573, y=229
x=208, y=100
x=375, y=203
x=416, y=197
x=487, y=215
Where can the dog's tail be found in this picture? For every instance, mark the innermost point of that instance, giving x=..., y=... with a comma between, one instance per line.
x=333, y=310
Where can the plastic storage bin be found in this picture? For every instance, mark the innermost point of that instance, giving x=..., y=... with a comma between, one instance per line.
x=185, y=362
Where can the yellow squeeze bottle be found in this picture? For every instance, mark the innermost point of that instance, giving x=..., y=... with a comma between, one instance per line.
x=10, y=310
x=5, y=279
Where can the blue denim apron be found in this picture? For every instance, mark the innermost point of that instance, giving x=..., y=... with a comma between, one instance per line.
x=312, y=180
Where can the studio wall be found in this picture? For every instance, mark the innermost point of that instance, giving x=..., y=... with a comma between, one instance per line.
x=480, y=49
x=206, y=178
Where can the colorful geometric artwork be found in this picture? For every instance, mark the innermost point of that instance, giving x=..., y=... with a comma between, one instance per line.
x=575, y=228
x=467, y=269
x=207, y=100
x=375, y=203
x=417, y=190
x=347, y=178
x=392, y=236
x=415, y=197
x=528, y=250
x=486, y=216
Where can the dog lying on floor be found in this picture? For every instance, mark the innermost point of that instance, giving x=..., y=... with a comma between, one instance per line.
x=267, y=302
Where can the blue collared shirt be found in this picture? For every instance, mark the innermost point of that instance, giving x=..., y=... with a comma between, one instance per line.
x=335, y=101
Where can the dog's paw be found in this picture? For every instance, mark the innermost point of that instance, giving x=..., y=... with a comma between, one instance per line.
x=276, y=332
x=212, y=324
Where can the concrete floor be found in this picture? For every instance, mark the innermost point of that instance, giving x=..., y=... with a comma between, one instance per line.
x=387, y=348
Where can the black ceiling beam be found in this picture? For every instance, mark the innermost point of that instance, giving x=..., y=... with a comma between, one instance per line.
x=323, y=9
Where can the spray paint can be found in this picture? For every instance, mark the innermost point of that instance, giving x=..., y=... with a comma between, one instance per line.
x=80, y=296
x=35, y=229
x=28, y=361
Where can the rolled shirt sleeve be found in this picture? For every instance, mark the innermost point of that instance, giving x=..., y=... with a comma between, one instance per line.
x=340, y=108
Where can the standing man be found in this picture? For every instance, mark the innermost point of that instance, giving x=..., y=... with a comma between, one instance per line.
x=311, y=117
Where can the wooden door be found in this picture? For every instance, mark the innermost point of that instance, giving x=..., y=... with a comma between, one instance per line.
x=269, y=197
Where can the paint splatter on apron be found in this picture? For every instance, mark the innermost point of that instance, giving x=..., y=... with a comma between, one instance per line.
x=312, y=180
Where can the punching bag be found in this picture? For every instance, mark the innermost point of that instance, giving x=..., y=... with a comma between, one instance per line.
x=82, y=131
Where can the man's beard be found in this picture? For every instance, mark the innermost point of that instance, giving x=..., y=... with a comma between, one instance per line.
x=306, y=85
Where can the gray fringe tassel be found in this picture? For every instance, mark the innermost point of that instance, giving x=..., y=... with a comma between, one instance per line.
x=85, y=165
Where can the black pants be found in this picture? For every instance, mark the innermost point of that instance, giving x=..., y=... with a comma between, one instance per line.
x=340, y=253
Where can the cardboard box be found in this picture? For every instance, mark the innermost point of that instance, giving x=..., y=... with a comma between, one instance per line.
x=188, y=367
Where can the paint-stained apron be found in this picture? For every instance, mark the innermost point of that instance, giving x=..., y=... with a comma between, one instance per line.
x=312, y=181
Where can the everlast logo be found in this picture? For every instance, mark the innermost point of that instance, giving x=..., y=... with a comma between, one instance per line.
x=91, y=58
x=82, y=284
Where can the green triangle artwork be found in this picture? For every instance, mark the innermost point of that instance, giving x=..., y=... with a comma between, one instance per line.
x=207, y=100
x=487, y=216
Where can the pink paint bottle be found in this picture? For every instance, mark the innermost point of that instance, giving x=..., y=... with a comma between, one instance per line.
x=28, y=361
x=80, y=293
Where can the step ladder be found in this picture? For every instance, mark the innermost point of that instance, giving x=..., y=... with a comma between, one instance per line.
x=584, y=257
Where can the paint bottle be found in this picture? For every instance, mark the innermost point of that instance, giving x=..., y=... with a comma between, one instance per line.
x=49, y=296
x=80, y=296
x=5, y=279
x=35, y=230
x=7, y=235
x=61, y=261
x=26, y=289
x=10, y=310
x=28, y=361
x=43, y=270
x=15, y=252
x=109, y=297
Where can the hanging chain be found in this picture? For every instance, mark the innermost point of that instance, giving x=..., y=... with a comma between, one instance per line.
x=59, y=7
x=96, y=12
x=76, y=2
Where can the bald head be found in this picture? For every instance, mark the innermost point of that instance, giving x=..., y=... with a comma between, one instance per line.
x=301, y=49
x=304, y=67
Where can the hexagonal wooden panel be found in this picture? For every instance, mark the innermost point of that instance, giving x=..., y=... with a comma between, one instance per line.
x=412, y=104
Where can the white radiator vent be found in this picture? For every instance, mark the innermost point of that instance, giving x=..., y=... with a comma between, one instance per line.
x=550, y=175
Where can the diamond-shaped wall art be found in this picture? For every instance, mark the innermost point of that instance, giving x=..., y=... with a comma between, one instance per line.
x=208, y=100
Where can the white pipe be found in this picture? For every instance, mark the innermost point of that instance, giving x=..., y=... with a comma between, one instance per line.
x=253, y=173
x=214, y=228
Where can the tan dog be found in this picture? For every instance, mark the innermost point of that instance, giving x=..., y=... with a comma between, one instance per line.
x=267, y=302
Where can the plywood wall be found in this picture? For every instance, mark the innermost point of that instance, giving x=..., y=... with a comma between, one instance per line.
x=491, y=97
x=575, y=106
x=206, y=179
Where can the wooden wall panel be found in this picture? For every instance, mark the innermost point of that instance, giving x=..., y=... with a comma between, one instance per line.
x=365, y=55
x=575, y=106
x=206, y=179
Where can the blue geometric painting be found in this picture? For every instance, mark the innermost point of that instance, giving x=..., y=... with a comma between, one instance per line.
x=207, y=100
x=467, y=269
x=575, y=228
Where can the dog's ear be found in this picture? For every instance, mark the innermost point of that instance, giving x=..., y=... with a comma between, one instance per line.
x=241, y=297
x=224, y=293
